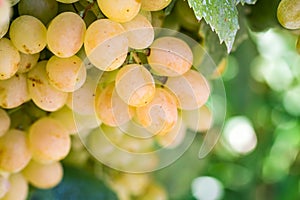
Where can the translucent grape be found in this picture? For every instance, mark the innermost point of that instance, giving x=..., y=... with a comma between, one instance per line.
x=66, y=74
x=27, y=62
x=170, y=56
x=139, y=32
x=191, y=89
x=43, y=94
x=174, y=137
x=15, y=151
x=44, y=10
x=105, y=44
x=198, y=120
x=135, y=85
x=65, y=34
x=155, y=5
x=18, y=189
x=110, y=109
x=3, y=29
x=120, y=11
x=49, y=140
x=43, y=176
x=28, y=34
x=288, y=14
x=9, y=59
x=160, y=115
x=14, y=91
x=4, y=12
x=4, y=122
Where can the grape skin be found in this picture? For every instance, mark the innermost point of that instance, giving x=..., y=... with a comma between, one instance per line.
x=28, y=34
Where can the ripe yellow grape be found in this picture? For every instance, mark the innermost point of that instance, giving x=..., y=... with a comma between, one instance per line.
x=174, y=137
x=28, y=34
x=43, y=176
x=191, y=89
x=18, y=189
x=139, y=32
x=288, y=14
x=160, y=115
x=4, y=122
x=14, y=91
x=65, y=34
x=135, y=85
x=110, y=108
x=14, y=151
x=27, y=62
x=198, y=120
x=120, y=10
x=43, y=94
x=170, y=56
x=49, y=140
x=9, y=59
x=66, y=74
x=105, y=44
x=155, y=5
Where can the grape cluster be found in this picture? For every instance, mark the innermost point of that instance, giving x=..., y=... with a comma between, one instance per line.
x=99, y=71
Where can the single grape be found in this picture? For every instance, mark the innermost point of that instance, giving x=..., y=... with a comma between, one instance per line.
x=65, y=34
x=110, y=108
x=43, y=94
x=18, y=189
x=155, y=5
x=191, y=89
x=27, y=62
x=120, y=11
x=43, y=176
x=105, y=44
x=14, y=91
x=66, y=74
x=15, y=151
x=44, y=10
x=170, y=56
x=198, y=120
x=9, y=59
x=160, y=115
x=4, y=122
x=288, y=14
x=49, y=140
x=135, y=85
x=28, y=34
x=139, y=32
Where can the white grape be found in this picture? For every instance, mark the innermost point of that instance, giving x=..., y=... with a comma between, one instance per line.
x=120, y=10
x=170, y=56
x=65, y=34
x=28, y=34
x=43, y=94
x=135, y=85
x=105, y=44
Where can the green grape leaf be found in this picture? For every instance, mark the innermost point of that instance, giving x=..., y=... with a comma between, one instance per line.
x=77, y=184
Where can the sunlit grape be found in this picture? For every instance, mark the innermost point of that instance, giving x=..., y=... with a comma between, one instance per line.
x=28, y=34
x=65, y=34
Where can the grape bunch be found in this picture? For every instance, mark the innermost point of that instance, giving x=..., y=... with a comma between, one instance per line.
x=99, y=71
x=288, y=15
